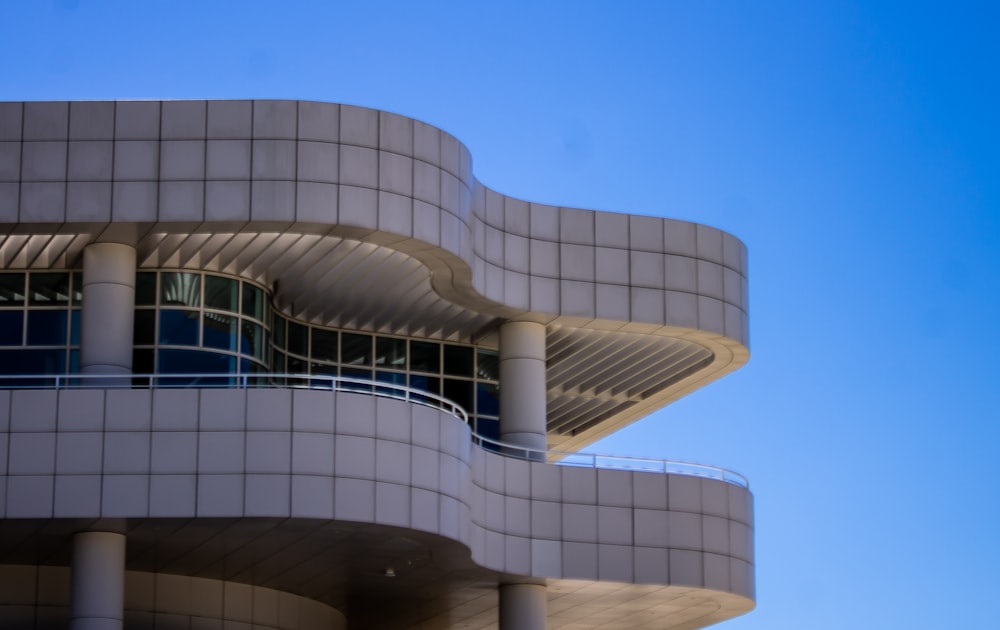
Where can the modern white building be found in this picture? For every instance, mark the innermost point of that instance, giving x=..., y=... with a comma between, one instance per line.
x=278, y=364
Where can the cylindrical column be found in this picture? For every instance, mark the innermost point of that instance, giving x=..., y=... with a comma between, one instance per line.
x=98, y=581
x=108, y=305
x=522, y=607
x=522, y=384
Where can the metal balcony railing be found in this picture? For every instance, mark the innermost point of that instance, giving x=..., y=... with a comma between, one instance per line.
x=374, y=388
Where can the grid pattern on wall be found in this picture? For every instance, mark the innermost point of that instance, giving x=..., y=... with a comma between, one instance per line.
x=40, y=322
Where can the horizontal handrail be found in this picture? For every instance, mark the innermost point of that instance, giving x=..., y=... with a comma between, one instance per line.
x=376, y=388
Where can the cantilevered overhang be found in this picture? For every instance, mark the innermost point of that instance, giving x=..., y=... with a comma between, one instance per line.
x=367, y=220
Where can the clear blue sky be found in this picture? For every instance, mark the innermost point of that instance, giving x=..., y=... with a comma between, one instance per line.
x=854, y=146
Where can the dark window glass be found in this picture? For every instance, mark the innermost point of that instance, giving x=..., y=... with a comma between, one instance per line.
x=47, y=328
x=298, y=339
x=252, y=340
x=361, y=375
x=458, y=392
x=180, y=289
x=356, y=349
x=279, y=332
x=144, y=327
x=458, y=360
x=48, y=289
x=77, y=288
x=33, y=361
x=74, y=361
x=297, y=366
x=278, y=363
x=324, y=345
x=425, y=356
x=425, y=383
x=487, y=399
x=74, y=327
x=145, y=288
x=323, y=368
x=11, y=327
x=253, y=301
x=487, y=365
x=179, y=328
x=142, y=361
x=390, y=352
x=194, y=362
x=11, y=289
x=488, y=429
x=220, y=331
x=221, y=293
x=394, y=378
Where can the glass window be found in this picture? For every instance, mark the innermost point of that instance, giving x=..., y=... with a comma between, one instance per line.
x=77, y=288
x=278, y=362
x=48, y=289
x=356, y=349
x=253, y=301
x=487, y=365
x=142, y=361
x=172, y=361
x=74, y=327
x=220, y=331
x=390, y=352
x=458, y=392
x=298, y=339
x=487, y=399
x=179, y=328
x=180, y=289
x=252, y=340
x=425, y=356
x=145, y=288
x=458, y=360
x=221, y=293
x=297, y=366
x=324, y=345
x=143, y=327
x=11, y=289
x=278, y=328
x=11, y=327
x=33, y=361
x=47, y=328
x=430, y=384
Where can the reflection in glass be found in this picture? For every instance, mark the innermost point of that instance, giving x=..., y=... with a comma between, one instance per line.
x=253, y=302
x=47, y=328
x=355, y=349
x=390, y=352
x=77, y=288
x=487, y=365
x=487, y=399
x=180, y=289
x=179, y=328
x=221, y=293
x=48, y=289
x=252, y=340
x=220, y=331
x=11, y=289
x=425, y=356
x=278, y=330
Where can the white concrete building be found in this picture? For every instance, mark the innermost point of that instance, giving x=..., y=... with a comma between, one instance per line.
x=278, y=364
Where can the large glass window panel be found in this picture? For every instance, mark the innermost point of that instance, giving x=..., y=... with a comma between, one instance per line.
x=11, y=289
x=77, y=288
x=33, y=361
x=47, y=328
x=143, y=361
x=298, y=339
x=253, y=301
x=144, y=327
x=487, y=399
x=180, y=289
x=430, y=384
x=425, y=356
x=252, y=339
x=297, y=366
x=390, y=352
x=178, y=328
x=173, y=361
x=11, y=327
x=392, y=378
x=487, y=365
x=278, y=362
x=145, y=288
x=278, y=329
x=221, y=293
x=74, y=327
x=220, y=331
x=458, y=360
x=355, y=349
x=458, y=392
x=324, y=345
x=48, y=288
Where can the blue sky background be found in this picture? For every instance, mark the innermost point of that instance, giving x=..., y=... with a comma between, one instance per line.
x=855, y=148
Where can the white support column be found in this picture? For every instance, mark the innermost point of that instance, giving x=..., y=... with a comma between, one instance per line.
x=523, y=606
x=108, y=306
x=522, y=384
x=98, y=581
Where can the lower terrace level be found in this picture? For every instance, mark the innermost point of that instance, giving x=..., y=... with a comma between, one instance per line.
x=295, y=507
